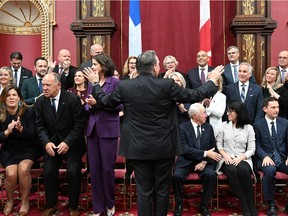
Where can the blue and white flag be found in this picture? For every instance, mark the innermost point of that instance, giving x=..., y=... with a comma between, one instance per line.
x=135, y=40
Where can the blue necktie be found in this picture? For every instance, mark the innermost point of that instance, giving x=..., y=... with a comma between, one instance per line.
x=53, y=105
x=242, y=94
x=276, y=154
x=40, y=86
x=235, y=73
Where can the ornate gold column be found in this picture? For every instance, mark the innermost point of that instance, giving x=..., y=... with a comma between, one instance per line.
x=253, y=27
x=93, y=25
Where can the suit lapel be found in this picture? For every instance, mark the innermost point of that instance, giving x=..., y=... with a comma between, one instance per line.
x=49, y=107
x=249, y=92
x=61, y=105
x=35, y=85
x=192, y=134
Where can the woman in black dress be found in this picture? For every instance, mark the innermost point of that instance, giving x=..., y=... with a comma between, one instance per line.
x=18, y=151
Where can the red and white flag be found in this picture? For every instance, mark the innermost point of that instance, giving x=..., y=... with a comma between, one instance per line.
x=205, y=28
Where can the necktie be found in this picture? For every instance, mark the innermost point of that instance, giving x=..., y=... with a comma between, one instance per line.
x=283, y=75
x=202, y=75
x=53, y=105
x=235, y=73
x=40, y=86
x=61, y=69
x=15, y=77
x=198, y=137
x=243, y=93
x=276, y=154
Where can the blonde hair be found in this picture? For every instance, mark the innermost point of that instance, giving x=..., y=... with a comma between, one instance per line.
x=220, y=82
x=179, y=75
x=170, y=57
x=277, y=84
x=2, y=69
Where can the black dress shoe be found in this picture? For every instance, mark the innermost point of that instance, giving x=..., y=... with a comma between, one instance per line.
x=178, y=211
x=272, y=210
x=204, y=211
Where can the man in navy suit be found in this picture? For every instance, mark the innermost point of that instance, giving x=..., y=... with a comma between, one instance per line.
x=32, y=87
x=247, y=92
x=271, y=152
x=230, y=74
x=19, y=73
x=197, y=76
x=198, y=143
x=283, y=66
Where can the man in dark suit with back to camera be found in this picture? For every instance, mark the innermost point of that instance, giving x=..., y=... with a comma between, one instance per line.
x=198, y=143
x=247, y=92
x=198, y=76
x=19, y=73
x=150, y=136
x=32, y=87
x=64, y=68
x=60, y=124
x=271, y=133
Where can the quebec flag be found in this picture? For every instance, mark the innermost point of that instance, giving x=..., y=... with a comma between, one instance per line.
x=135, y=40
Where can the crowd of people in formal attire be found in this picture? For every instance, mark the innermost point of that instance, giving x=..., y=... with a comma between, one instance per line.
x=211, y=121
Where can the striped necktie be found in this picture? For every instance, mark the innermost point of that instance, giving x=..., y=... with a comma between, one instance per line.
x=235, y=73
x=202, y=76
x=243, y=93
x=276, y=154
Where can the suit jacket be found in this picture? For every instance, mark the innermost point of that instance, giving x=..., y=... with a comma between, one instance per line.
x=86, y=64
x=236, y=142
x=253, y=101
x=66, y=81
x=194, y=80
x=67, y=126
x=30, y=90
x=264, y=142
x=191, y=154
x=25, y=74
x=106, y=120
x=227, y=76
x=149, y=128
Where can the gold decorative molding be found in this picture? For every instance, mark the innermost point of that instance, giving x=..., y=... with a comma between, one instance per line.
x=83, y=9
x=98, y=8
x=84, y=44
x=98, y=39
x=263, y=7
x=248, y=47
x=46, y=9
x=248, y=7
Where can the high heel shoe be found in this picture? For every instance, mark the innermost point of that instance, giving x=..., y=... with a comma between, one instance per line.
x=8, y=208
x=111, y=212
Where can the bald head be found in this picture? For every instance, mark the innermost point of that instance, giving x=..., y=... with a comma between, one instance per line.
x=202, y=58
x=96, y=49
x=64, y=55
x=283, y=59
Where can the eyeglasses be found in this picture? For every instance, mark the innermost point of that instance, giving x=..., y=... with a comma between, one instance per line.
x=170, y=62
x=132, y=63
x=282, y=57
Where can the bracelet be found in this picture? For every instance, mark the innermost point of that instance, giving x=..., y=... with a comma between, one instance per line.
x=95, y=83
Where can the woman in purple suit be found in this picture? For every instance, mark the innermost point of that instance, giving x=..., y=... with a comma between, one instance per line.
x=102, y=134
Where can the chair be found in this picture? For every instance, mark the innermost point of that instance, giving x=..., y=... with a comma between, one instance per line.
x=2, y=183
x=280, y=177
x=120, y=177
x=222, y=182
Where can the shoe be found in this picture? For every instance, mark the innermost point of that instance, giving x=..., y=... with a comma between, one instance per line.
x=75, y=212
x=22, y=210
x=272, y=210
x=8, y=208
x=111, y=212
x=178, y=211
x=49, y=211
x=204, y=211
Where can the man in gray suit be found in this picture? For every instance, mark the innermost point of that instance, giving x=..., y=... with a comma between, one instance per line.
x=94, y=50
x=32, y=87
x=150, y=136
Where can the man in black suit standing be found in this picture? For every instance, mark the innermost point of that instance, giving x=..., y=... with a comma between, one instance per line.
x=64, y=68
x=60, y=124
x=283, y=66
x=94, y=50
x=32, y=87
x=198, y=144
x=230, y=74
x=271, y=133
x=19, y=73
x=198, y=76
x=150, y=136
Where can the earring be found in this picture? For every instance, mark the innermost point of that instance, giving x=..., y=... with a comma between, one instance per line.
x=19, y=104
